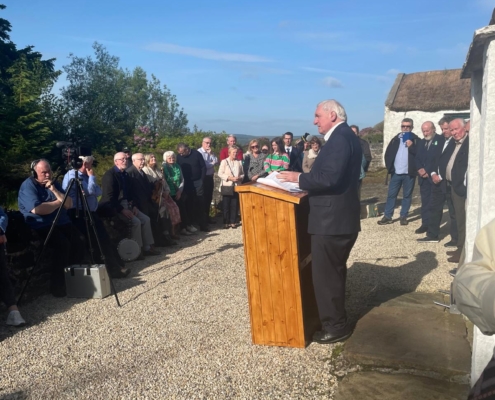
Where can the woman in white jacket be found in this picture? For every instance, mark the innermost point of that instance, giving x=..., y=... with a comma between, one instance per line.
x=231, y=173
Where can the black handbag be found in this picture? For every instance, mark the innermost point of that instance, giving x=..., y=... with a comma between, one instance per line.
x=227, y=190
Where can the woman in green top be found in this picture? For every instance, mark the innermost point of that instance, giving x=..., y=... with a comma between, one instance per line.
x=279, y=159
x=173, y=175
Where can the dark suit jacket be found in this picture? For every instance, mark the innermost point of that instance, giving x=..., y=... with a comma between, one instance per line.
x=113, y=191
x=333, y=185
x=365, y=147
x=426, y=156
x=459, y=169
x=295, y=160
x=391, y=153
x=141, y=191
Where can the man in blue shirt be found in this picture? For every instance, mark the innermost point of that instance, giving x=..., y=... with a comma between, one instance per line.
x=39, y=200
x=400, y=163
x=115, y=265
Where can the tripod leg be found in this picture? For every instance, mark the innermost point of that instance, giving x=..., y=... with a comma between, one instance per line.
x=89, y=216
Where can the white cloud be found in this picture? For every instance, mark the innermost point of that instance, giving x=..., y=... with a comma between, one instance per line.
x=332, y=82
x=393, y=71
x=207, y=54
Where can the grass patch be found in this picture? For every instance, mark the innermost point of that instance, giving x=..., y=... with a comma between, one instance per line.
x=337, y=350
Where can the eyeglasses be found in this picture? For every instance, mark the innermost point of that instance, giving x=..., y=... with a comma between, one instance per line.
x=255, y=146
x=406, y=126
x=207, y=142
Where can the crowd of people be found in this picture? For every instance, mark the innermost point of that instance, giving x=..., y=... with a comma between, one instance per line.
x=157, y=202
x=439, y=163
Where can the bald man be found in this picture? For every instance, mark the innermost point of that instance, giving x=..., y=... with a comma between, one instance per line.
x=428, y=150
x=39, y=200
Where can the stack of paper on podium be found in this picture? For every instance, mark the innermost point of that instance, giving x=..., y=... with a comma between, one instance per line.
x=272, y=180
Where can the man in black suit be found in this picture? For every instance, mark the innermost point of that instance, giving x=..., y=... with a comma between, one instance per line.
x=293, y=153
x=117, y=199
x=428, y=151
x=334, y=219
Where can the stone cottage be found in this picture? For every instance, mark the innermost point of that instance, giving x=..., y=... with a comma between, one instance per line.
x=425, y=96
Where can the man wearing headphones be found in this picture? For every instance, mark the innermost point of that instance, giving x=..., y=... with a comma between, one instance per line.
x=39, y=200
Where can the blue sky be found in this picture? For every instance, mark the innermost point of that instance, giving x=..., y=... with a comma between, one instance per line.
x=259, y=67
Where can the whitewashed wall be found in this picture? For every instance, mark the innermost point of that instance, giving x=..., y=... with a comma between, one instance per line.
x=393, y=119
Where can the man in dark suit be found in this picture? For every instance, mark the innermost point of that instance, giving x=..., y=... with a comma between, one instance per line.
x=334, y=219
x=293, y=153
x=429, y=148
x=117, y=199
x=440, y=192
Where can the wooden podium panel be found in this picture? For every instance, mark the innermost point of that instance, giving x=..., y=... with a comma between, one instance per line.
x=277, y=251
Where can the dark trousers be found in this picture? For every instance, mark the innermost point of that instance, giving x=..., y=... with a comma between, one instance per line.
x=184, y=217
x=208, y=185
x=425, y=192
x=194, y=205
x=329, y=260
x=460, y=217
x=230, y=208
x=67, y=244
x=112, y=258
x=6, y=289
x=439, y=194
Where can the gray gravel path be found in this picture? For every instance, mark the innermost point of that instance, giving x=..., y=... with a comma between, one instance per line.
x=183, y=331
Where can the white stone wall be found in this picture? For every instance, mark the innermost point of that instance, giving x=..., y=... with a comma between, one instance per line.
x=393, y=120
x=480, y=207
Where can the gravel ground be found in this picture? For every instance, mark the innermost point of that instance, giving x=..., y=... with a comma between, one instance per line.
x=183, y=329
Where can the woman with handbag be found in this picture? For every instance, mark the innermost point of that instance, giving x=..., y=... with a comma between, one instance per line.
x=168, y=210
x=173, y=175
x=231, y=173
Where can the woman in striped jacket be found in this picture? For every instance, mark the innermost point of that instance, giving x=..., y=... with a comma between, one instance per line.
x=279, y=159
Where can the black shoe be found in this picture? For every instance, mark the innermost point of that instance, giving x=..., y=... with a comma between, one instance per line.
x=450, y=244
x=169, y=241
x=119, y=273
x=428, y=239
x=152, y=252
x=324, y=337
x=205, y=229
x=385, y=221
x=421, y=229
x=140, y=257
x=211, y=221
x=404, y=221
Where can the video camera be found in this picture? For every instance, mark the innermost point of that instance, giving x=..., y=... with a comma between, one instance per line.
x=71, y=151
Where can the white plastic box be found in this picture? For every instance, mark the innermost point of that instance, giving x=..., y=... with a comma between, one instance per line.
x=87, y=281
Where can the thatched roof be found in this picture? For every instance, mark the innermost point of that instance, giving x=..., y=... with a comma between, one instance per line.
x=430, y=91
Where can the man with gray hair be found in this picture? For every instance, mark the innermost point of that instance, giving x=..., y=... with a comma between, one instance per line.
x=231, y=141
x=210, y=160
x=117, y=199
x=334, y=218
x=400, y=163
x=429, y=148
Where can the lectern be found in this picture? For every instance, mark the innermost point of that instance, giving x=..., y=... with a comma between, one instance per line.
x=277, y=250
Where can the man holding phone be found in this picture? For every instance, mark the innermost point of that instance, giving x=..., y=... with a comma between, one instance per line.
x=400, y=163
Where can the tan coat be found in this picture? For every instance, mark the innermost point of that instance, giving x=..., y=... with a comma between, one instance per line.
x=224, y=171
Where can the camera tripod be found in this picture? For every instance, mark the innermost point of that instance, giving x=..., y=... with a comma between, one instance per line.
x=80, y=199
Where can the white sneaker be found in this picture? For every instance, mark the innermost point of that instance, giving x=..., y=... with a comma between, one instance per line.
x=15, y=319
x=192, y=229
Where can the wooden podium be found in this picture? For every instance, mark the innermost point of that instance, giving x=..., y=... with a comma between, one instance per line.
x=277, y=250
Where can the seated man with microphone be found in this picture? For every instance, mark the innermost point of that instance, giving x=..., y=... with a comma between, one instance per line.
x=115, y=265
x=39, y=200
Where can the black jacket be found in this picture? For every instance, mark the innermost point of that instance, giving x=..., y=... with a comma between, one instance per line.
x=141, y=189
x=295, y=160
x=333, y=185
x=459, y=169
x=365, y=147
x=427, y=156
x=391, y=152
x=115, y=187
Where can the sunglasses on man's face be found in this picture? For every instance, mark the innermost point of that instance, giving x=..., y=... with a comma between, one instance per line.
x=406, y=126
